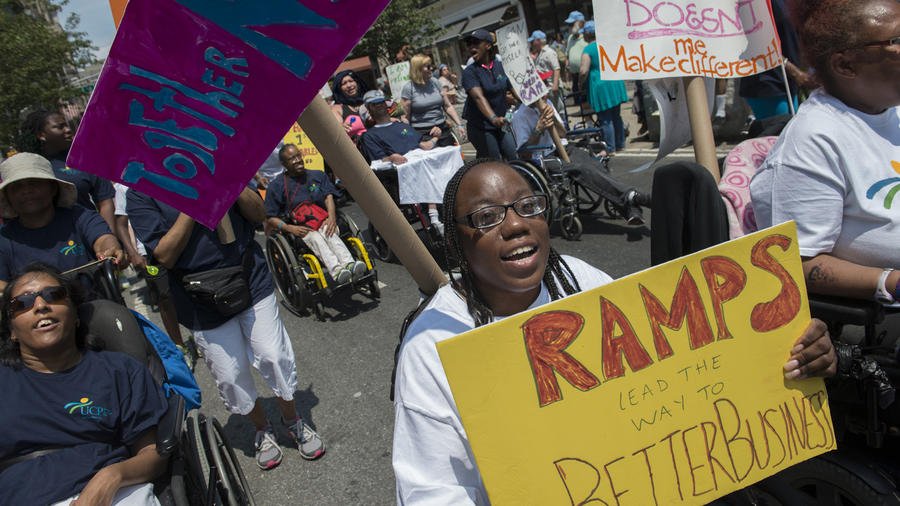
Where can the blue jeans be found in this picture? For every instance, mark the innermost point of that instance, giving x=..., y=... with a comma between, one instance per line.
x=498, y=144
x=610, y=121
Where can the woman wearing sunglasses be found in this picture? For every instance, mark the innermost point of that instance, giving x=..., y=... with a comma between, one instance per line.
x=834, y=168
x=427, y=103
x=76, y=421
x=497, y=232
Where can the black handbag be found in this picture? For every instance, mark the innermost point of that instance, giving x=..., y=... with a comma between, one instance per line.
x=226, y=290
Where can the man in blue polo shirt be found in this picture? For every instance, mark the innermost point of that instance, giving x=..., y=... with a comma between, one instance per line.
x=389, y=140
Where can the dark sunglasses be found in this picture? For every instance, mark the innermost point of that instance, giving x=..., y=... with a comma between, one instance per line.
x=491, y=216
x=25, y=301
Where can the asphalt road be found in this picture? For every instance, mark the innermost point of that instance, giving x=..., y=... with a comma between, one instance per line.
x=344, y=368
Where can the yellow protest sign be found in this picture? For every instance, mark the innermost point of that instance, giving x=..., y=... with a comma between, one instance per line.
x=311, y=156
x=664, y=387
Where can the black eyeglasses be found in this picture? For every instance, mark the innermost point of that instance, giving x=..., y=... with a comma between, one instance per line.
x=491, y=216
x=25, y=301
x=878, y=43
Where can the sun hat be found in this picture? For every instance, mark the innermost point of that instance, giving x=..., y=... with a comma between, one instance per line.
x=574, y=16
x=31, y=166
x=481, y=34
x=588, y=27
x=537, y=34
x=374, y=97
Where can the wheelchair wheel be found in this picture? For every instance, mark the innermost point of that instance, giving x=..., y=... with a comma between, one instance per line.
x=197, y=460
x=231, y=477
x=586, y=200
x=347, y=227
x=612, y=210
x=379, y=245
x=571, y=227
x=283, y=265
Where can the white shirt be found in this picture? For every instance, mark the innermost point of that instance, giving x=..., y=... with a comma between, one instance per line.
x=433, y=462
x=523, y=122
x=120, y=204
x=833, y=170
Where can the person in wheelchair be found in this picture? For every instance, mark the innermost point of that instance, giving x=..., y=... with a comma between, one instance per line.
x=44, y=223
x=296, y=187
x=389, y=141
x=79, y=425
x=531, y=128
x=500, y=239
x=834, y=168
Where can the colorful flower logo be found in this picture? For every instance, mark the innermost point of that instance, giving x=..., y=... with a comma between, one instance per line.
x=72, y=247
x=72, y=406
x=875, y=188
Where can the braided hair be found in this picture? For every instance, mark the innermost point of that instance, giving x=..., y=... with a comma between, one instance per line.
x=557, y=273
x=31, y=127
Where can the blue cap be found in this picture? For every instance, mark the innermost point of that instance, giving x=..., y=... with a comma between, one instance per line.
x=373, y=97
x=588, y=27
x=574, y=16
x=537, y=34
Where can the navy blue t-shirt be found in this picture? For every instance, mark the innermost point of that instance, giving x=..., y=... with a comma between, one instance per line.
x=94, y=410
x=285, y=193
x=66, y=242
x=91, y=189
x=382, y=141
x=151, y=219
x=771, y=82
x=494, y=84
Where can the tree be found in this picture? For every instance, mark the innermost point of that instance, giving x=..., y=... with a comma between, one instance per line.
x=39, y=56
x=402, y=22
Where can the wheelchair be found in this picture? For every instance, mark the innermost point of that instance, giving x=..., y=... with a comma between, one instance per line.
x=100, y=278
x=690, y=215
x=202, y=468
x=416, y=215
x=300, y=280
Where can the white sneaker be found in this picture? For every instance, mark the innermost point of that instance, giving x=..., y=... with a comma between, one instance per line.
x=357, y=269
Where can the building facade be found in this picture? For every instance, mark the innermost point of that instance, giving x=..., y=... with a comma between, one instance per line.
x=460, y=17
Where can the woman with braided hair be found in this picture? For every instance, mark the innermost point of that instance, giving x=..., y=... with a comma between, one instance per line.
x=497, y=232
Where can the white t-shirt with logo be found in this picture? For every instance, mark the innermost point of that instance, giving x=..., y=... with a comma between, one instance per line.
x=836, y=172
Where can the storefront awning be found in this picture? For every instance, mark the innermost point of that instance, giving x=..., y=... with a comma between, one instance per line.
x=356, y=64
x=451, y=31
x=488, y=18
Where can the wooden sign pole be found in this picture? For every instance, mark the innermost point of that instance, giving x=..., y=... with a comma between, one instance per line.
x=319, y=123
x=701, y=126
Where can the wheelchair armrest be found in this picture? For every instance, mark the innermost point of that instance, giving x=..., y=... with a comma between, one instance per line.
x=168, y=432
x=844, y=310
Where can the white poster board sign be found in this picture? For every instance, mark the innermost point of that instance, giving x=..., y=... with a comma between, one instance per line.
x=397, y=75
x=511, y=42
x=674, y=121
x=644, y=39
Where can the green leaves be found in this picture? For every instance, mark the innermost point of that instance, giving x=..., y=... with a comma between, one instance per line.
x=38, y=60
x=402, y=22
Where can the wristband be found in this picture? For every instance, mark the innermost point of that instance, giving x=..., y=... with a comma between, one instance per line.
x=882, y=294
x=280, y=225
x=493, y=117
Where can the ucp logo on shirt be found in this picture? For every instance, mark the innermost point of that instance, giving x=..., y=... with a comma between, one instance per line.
x=72, y=248
x=86, y=408
x=879, y=185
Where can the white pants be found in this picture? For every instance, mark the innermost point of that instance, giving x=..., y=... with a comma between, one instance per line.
x=331, y=250
x=257, y=337
x=134, y=495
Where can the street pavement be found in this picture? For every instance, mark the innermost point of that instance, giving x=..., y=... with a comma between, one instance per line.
x=344, y=367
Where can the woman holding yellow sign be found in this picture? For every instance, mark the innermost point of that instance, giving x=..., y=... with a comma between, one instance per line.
x=498, y=234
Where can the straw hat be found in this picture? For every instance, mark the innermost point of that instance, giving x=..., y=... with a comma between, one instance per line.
x=31, y=166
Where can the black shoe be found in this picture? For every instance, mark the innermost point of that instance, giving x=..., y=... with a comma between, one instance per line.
x=636, y=198
x=634, y=216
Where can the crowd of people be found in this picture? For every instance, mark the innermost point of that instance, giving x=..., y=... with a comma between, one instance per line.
x=830, y=171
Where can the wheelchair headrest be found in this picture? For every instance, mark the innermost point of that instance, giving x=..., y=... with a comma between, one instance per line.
x=117, y=328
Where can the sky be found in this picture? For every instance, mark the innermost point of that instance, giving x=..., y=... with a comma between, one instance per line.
x=96, y=20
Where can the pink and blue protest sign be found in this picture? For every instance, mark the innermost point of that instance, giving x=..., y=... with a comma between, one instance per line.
x=195, y=93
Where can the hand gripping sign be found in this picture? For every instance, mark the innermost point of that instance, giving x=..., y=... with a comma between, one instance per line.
x=643, y=39
x=194, y=93
x=664, y=387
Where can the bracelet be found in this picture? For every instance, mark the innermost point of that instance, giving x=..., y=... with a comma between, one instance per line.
x=882, y=294
x=492, y=118
x=280, y=225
